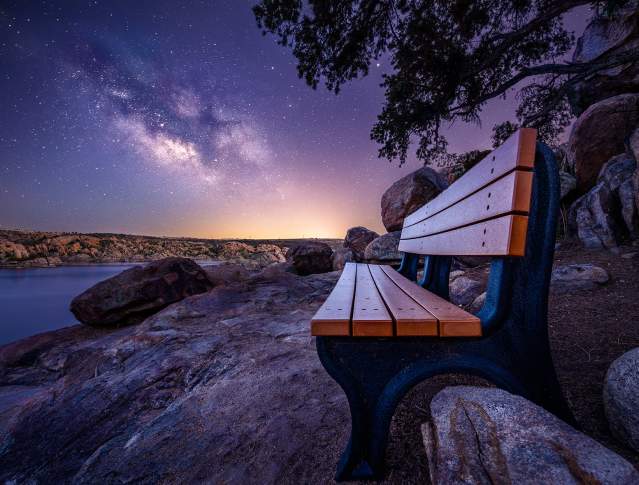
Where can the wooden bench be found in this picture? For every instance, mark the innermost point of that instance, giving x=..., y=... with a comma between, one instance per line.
x=380, y=332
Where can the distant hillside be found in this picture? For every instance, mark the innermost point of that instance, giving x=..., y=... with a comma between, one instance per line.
x=44, y=249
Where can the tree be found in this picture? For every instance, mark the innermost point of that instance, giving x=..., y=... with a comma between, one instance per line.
x=448, y=58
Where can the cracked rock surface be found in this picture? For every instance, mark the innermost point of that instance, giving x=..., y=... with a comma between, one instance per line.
x=486, y=435
x=222, y=387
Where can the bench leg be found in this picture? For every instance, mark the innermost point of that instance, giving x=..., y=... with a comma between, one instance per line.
x=542, y=385
x=375, y=381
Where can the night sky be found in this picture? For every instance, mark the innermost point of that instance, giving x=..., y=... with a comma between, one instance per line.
x=181, y=119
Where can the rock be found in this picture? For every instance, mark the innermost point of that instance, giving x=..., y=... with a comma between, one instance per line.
x=617, y=170
x=571, y=277
x=477, y=303
x=567, y=183
x=455, y=274
x=384, y=249
x=633, y=145
x=357, y=238
x=134, y=294
x=222, y=274
x=599, y=134
x=408, y=194
x=473, y=261
x=604, y=37
x=11, y=251
x=621, y=398
x=618, y=174
x=311, y=257
x=629, y=213
x=591, y=218
x=251, y=257
x=464, y=290
x=608, y=212
x=487, y=435
x=340, y=257
x=222, y=387
x=564, y=161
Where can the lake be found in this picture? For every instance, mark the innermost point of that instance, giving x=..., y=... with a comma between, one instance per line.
x=36, y=300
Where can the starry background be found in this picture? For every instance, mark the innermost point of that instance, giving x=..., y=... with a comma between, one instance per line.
x=181, y=119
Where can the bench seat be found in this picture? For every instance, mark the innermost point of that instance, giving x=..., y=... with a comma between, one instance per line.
x=377, y=301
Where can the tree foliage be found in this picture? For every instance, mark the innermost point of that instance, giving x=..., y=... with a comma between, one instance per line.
x=447, y=58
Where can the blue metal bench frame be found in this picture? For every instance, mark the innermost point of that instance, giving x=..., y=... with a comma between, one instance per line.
x=513, y=352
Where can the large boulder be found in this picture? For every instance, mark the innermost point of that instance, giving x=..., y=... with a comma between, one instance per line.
x=617, y=170
x=311, y=257
x=592, y=218
x=570, y=277
x=604, y=37
x=384, y=249
x=621, y=398
x=408, y=194
x=357, y=238
x=608, y=213
x=487, y=435
x=133, y=295
x=599, y=134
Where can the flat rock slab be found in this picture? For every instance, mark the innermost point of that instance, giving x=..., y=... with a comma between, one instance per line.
x=485, y=435
x=222, y=387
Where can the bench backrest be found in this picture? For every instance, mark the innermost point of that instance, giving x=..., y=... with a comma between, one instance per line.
x=485, y=212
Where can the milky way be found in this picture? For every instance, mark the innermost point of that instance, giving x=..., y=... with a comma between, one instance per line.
x=180, y=118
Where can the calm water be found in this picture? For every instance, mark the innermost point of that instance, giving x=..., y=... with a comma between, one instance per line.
x=35, y=300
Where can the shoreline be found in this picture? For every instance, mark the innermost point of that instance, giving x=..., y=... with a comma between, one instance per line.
x=201, y=262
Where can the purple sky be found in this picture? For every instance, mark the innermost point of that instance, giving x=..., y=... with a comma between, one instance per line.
x=181, y=119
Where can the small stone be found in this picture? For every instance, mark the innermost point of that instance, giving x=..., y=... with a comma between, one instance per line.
x=464, y=290
x=570, y=277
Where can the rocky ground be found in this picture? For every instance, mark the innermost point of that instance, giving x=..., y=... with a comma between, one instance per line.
x=225, y=386
x=25, y=249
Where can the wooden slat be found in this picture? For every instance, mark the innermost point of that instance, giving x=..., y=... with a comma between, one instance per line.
x=411, y=319
x=370, y=317
x=334, y=316
x=516, y=152
x=504, y=236
x=453, y=321
x=508, y=194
